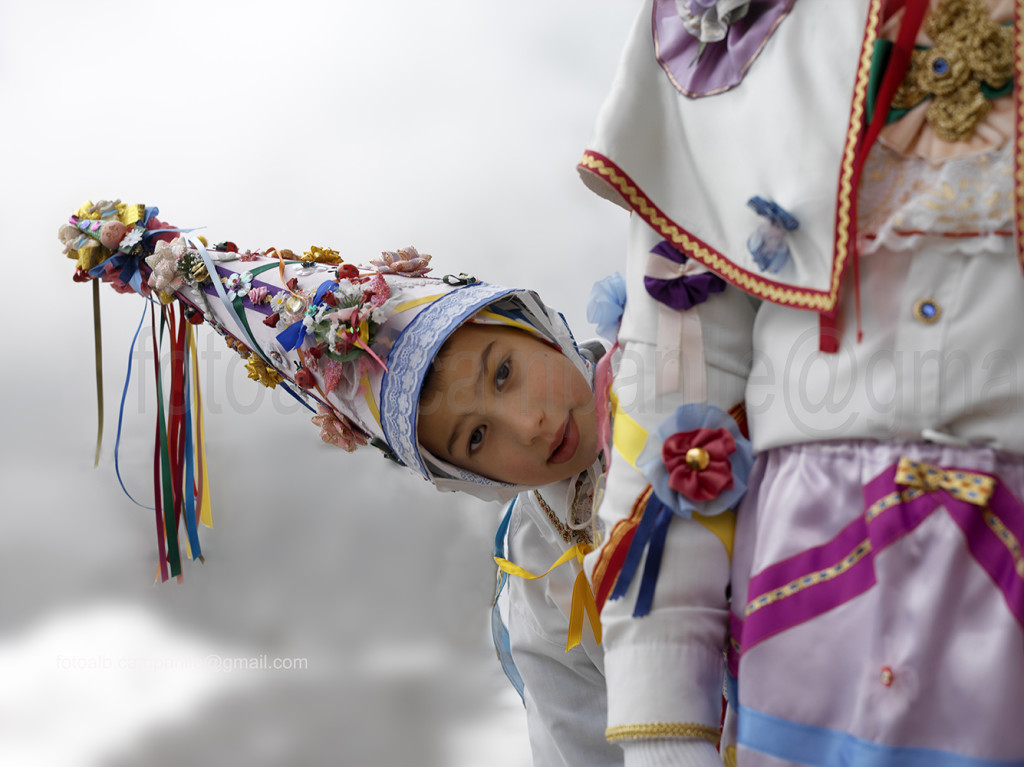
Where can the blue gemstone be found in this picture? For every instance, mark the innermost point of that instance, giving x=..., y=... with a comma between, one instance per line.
x=940, y=66
x=928, y=310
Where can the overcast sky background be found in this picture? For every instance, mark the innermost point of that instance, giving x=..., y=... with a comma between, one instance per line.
x=451, y=125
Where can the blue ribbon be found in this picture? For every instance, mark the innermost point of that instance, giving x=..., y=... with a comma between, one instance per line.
x=798, y=743
x=636, y=548
x=650, y=535
x=189, y=489
x=129, y=266
x=499, y=633
x=120, y=413
x=650, y=577
x=293, y=335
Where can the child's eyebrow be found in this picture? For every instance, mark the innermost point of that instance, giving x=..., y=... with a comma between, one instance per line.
x=481, y=371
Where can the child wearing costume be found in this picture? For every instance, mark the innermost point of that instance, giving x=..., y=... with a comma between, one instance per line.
x=843, y=174
x=389, y=357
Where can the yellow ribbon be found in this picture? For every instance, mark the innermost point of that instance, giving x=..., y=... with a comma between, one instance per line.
x=98, y=343
x=202, y=472
x=627, y=435
x=962, y=485
x=582, y=596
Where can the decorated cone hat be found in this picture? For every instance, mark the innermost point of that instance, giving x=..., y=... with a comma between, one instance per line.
x=353, y=343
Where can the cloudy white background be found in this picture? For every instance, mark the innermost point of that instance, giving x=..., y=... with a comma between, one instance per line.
x=452, y=125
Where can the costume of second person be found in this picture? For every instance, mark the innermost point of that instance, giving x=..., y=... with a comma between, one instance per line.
x=849, y=173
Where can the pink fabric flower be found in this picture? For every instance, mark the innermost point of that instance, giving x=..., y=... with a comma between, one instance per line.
x=349, y=315
x=698, y=462
x=338, y=430
x=332, y=372
x=407, y=261
x=164, y=262
x=378, y=291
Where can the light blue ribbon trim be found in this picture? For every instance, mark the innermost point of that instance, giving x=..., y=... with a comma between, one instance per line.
x=499, y=633
x=222, y=294
x=820, y=747
x=120, y=412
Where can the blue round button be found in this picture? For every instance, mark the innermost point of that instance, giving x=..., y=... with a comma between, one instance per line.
x=927, y=311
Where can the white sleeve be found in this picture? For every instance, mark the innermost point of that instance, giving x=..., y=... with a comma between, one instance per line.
x=566, y=704
x=564, y=695
x=665, y=670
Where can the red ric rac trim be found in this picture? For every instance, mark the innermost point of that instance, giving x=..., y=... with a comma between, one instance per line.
x=824, y=302
x=695, y=248
x=845, y=193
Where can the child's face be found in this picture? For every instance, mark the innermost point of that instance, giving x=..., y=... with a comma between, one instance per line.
x=506, y=405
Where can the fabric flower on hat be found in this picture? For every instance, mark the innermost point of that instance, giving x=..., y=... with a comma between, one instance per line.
x=407, y=261
x=131, y=239
x=606, y=304
x=338, y=430
x=377, y=291
x=321, y=255
x=166, y=278
x=238, y=285
x=260, y=372
x=277, y=301
x=697, y=460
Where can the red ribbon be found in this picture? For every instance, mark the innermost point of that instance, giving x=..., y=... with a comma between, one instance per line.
x=896, y=69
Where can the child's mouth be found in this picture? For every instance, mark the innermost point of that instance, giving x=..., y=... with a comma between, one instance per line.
x=566, y=446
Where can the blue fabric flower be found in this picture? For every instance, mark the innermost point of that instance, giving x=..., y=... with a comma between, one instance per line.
x=768, y=243
x=696, y=419
x=606, y=303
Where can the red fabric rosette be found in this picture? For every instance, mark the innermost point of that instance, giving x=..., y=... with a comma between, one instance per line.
x=698, y=462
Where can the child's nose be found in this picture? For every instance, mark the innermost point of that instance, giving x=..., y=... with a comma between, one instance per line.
x=527, y=423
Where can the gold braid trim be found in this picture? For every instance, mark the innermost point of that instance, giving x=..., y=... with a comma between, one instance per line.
x=729, y=756
x=1018, y=171
x=661, y=730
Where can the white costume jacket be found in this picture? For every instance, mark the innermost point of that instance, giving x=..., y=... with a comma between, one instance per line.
x=871, y=600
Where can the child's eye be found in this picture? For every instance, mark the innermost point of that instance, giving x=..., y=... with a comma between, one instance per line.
x=476, y=439
x=502, y=374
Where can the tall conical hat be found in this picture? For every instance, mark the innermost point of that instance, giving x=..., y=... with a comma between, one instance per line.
x=353, y=343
